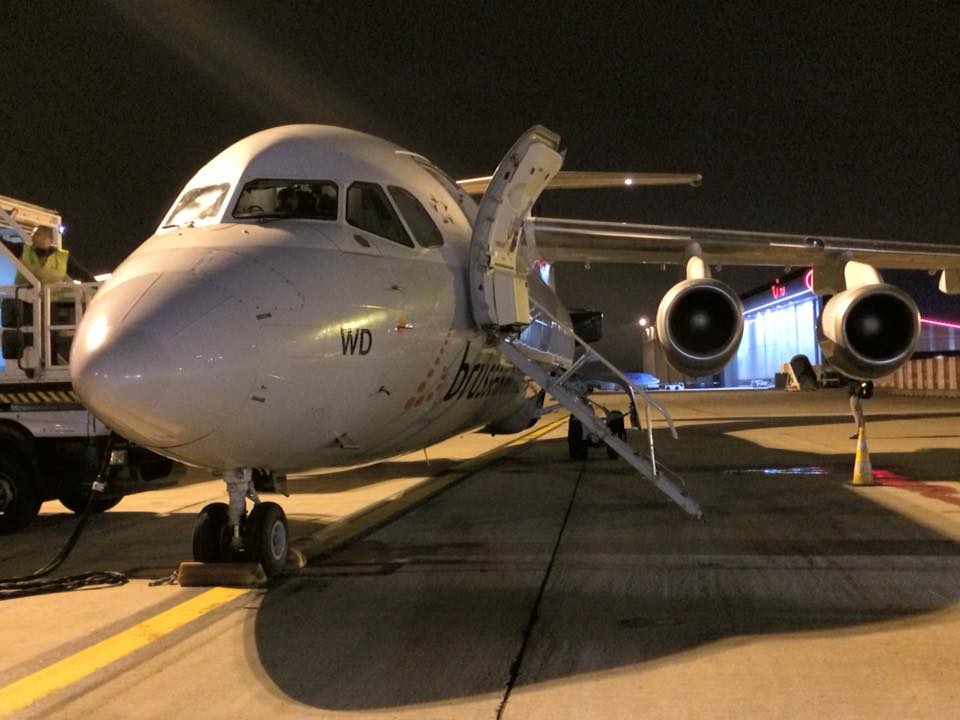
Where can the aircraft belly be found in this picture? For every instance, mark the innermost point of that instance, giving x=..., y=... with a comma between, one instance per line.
x=288, y=425
x=475, y=388
x=470, y=419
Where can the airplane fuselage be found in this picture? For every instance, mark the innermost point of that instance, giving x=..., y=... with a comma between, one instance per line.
x=293, y=343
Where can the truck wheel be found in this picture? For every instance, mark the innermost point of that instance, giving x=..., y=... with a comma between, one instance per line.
x=75, y=498
x=19, y=495
x=616, y=426
x=576, y=442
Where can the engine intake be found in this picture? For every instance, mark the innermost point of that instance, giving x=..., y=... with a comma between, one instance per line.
x=699, y=325
x=868, y=332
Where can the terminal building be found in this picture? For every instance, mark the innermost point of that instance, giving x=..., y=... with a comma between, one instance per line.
x=779, y=321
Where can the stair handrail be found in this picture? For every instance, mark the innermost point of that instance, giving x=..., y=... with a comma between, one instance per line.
x=632, y=388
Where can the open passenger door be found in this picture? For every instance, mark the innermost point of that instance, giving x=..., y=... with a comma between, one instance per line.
x=498, y=288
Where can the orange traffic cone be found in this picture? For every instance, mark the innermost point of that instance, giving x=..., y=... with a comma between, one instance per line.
x=862, y=469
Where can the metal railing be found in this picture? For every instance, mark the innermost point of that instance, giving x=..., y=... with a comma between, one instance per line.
x=632, y=390
x=59, y=307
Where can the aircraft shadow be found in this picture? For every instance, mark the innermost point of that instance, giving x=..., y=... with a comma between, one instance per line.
x=436, y=606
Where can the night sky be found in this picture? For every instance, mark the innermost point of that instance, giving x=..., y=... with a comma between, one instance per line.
x=834, y=118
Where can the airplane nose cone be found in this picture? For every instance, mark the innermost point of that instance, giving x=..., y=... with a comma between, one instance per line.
x=128, y=373
x=161, y=359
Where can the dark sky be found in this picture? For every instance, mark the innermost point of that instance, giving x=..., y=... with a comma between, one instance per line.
x=833, y=118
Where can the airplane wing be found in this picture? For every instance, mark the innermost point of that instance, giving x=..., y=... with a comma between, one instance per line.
x=578, y=180
x=588, y=240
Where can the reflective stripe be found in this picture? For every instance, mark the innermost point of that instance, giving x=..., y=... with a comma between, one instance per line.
x=51, y=271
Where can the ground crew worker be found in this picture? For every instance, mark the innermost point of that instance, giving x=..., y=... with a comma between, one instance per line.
x=47, y=262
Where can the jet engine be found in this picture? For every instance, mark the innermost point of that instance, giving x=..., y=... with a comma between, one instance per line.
x=699, y=325
x=869, y=331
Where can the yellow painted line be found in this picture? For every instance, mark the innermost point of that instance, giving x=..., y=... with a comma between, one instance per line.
x=32, y=688
x=539, y=432
x=63, y=673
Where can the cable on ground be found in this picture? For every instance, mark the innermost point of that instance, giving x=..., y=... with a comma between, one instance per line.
x=36, y=583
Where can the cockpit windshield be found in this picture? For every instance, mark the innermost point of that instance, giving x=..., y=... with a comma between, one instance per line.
x=197, y=204
x=312, y=199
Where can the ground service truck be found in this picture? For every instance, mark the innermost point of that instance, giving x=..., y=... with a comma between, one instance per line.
x=51, y=447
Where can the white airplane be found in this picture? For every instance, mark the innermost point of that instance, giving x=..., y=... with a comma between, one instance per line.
x=320, y=297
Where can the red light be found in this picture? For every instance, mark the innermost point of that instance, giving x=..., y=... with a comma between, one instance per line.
x=890, y=476
x=808, y=279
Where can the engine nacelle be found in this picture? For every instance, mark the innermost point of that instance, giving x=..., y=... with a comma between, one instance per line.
x=868, y=332
x=699, y=325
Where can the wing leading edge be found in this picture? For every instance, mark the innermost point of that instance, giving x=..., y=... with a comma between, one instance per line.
x=587, y=240
x=583, y=180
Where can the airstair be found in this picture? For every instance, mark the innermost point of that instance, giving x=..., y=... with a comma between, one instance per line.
x=569, y=390
x=502, y=305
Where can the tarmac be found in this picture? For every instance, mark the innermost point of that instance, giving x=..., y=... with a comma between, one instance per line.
x=495, y=578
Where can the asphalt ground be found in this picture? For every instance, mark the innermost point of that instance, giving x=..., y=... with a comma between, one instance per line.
x=510, y=582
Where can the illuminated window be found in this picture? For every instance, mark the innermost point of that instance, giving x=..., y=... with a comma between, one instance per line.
x=304, y=199
x=773, y=333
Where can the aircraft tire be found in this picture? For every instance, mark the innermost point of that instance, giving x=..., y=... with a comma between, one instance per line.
x=616, y=425
x=211, y=534
x=576, y=442
x=265, y=537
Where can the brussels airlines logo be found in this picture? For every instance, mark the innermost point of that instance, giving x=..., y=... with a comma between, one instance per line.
x=480, y=379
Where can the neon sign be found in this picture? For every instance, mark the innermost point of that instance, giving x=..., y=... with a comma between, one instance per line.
x=940, y=323
x=779, y=291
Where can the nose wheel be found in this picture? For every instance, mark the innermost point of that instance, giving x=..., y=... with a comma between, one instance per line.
x=227, y=533
x=211, y=534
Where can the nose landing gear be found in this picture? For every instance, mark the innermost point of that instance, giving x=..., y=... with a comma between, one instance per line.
x=228, y=533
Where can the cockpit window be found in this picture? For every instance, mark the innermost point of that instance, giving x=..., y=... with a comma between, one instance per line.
x=311, y=199
x=197, y=204
x=449, y=184
x=369, y=209
x=424, y=230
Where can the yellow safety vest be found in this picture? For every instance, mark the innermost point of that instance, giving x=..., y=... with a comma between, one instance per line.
x=52, y=271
